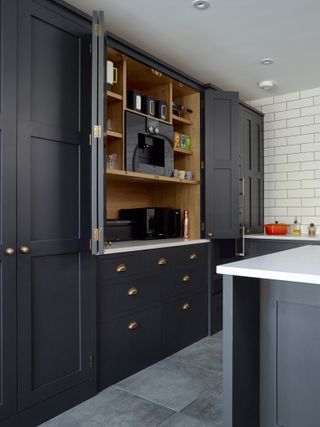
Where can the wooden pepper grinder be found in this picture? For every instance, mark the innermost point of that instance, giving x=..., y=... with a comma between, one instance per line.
x=185, y=224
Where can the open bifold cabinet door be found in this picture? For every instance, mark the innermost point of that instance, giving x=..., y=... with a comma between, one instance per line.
x=98, y=50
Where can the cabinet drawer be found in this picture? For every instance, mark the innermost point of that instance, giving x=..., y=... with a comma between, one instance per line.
x=117, y=267
x=129, y=344
x=186, y=321
x=128, y=294
x=188, y=279
x=216, y=313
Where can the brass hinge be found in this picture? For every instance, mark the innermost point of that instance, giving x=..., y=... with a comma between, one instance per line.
x=202, y=226
x=202, y=165
x=97, y=131
x=96, y=233
x=90, y=140
x=91, y=361
x=97, y=30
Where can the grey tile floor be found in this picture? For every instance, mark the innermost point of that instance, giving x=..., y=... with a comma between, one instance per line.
x=184, y=390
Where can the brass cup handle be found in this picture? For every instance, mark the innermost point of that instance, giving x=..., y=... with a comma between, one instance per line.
x=186, y=278
x=210, y=234
x=132, y=291
x=24, y=250
x=9, y=251
x=121, y=268
x=133, y=325
x=186, y=306
x=162, y=261
x=193, y=257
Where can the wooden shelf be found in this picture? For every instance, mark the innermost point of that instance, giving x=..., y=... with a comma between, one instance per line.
x=183, y=151
x=181, y=120
x=146, y=115
x=113, y=134
x=113, y=96
x=145, y=177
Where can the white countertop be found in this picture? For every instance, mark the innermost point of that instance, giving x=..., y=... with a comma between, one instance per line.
x=294, y=265
x=303, y=237
x=141, y=245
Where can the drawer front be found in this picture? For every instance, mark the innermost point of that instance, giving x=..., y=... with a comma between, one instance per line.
x=129, y=344
x=128, y=294
x=186, y=321
x=216, y=313
x=119, y=267
x=190, y=279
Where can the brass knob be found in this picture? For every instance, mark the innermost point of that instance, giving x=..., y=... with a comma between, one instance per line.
x=186, y=278
x=133, y=325
x=132, y=291
x=121, y=268
x=9, y=251
x=162, y=261
x=24, y=249
x=210, y=234
x=193, y=257
x=186, y=306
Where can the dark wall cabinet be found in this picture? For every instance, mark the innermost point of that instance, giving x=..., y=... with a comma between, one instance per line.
x=47, y=303
x=155, y=312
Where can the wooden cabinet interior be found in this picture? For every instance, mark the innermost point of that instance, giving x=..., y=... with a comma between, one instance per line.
x=131, y=189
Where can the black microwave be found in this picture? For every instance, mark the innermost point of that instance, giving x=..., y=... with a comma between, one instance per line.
x=154, y=223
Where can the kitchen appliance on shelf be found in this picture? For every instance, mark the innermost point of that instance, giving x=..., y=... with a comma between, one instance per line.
x=148, y=145
x=116, y=230
x=154, y=223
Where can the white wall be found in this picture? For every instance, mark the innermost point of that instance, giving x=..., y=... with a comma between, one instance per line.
x=292, y=156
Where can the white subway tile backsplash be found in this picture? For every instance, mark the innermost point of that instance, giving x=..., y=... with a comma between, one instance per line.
x=310, y=129
x=289, y=114
x=301, y=193
x=301, y=157
x=309, y=92
x=299, y=104
x=300, y=139
x=274, y=108
x=278, y=133
x=286, y=185
x=280, y=124
x=300, y=121
x=287, y=149
x=287, y=97
x=288, y=202
x=292, y=156
x=287, y=167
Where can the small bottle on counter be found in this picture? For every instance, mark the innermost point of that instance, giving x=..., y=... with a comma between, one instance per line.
x=312, y=229
x=185, y=225
x=296, y=228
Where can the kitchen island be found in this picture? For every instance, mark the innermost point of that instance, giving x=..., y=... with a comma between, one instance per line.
x=271, y=329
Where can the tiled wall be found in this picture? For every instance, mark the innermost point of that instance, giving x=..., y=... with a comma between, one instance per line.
x=292, y=156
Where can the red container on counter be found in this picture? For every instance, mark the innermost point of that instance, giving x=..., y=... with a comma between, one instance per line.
x=276, y=229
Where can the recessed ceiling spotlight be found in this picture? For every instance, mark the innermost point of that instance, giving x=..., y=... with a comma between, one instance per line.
x=267, y=61
x=266, y=84
x=200, y=4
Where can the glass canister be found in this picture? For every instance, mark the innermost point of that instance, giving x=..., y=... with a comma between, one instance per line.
x=312, y=229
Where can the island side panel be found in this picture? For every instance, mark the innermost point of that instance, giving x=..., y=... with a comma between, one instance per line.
x=290, y=348
x=241, y=351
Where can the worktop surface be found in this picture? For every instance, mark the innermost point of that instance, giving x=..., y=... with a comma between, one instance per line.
x=304, y=237
x=141, y=245
x=294, y=265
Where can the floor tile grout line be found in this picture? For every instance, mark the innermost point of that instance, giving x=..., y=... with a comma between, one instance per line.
x=197, y=366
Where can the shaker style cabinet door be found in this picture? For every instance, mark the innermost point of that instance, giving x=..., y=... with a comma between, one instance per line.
x=97, y=133
x=8, y=76
x=251, y=173
x=222, y=150
x=55, y=298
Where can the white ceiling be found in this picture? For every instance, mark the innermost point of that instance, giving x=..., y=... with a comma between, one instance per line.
x=224, y=44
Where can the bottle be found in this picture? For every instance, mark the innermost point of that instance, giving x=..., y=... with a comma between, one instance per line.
x=312, y=229
x=185, y=225
x=296, y=228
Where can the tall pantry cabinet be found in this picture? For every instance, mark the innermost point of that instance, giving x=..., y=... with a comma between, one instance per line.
x=47, y=301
